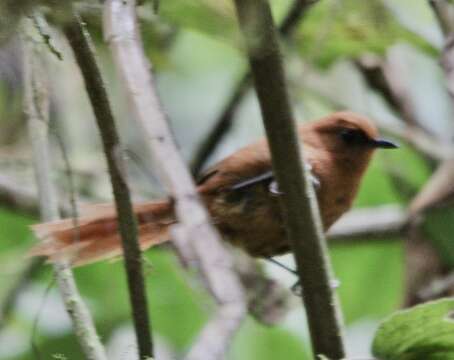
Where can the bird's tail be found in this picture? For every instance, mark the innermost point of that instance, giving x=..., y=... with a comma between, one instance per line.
x=94, y=235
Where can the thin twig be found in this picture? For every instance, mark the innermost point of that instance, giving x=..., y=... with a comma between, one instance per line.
x=27, y=273
x=385, y=76
x=37, y=111
x=82, y=47
x=444, y=12
x=224, y=122
x=299, y=203
x=194, y=234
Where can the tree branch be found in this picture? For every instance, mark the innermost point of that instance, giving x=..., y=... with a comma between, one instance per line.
x=299, y=202
x=194, y=234
x=224, y=122
x=37, y=111
x=82, y=47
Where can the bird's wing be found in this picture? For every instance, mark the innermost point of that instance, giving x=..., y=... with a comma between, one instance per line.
x=267, y=176
x=241, y=183
x=246, y=167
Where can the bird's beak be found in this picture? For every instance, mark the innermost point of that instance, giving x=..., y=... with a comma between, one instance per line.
x=384, y=144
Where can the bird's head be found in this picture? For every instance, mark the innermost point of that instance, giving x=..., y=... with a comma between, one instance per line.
x=345, y=134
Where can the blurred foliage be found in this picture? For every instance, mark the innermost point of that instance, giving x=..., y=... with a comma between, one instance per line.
x=346, y=29
x=197, y=56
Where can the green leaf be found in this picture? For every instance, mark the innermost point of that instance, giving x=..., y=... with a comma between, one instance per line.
x=422, y=332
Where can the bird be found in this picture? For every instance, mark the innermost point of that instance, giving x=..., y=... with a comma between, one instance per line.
x=240, y=193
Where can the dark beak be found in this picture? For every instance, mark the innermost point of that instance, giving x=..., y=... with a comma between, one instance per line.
x=384, y=144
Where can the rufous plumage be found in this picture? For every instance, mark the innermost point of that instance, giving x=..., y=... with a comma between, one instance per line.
x=240, y=193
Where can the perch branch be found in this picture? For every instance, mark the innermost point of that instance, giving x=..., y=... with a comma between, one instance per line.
x=298, y=199
x=82, y=47
x=194, y=235
x=224, y=122
x=37, y=111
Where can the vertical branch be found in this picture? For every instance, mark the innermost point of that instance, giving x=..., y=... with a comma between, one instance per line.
x=299, y=203
x=81, y=45
x=37, y=111
x=224, y=122
x=444, y=11
x=196, y=238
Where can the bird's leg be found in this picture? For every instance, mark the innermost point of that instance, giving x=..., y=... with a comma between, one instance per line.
x=296, y=287
x=285, y=267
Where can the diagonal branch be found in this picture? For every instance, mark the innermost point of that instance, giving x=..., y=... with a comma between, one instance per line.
x=27, y=273
x=224, y=122
x=37, y=111
x=383, y=75
x=298, y=199
x=194, y=234
x=82, y=47
x=444, y=12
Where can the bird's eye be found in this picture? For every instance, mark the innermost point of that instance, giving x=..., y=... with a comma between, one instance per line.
x=353, y=136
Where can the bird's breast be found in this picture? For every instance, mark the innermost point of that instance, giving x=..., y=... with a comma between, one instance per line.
x=251, y=219
x=339, y=183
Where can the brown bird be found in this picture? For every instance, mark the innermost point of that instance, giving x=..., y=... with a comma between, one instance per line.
x=240, y=194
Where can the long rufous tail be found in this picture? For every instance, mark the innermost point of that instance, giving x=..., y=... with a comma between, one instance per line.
x=94, y=236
